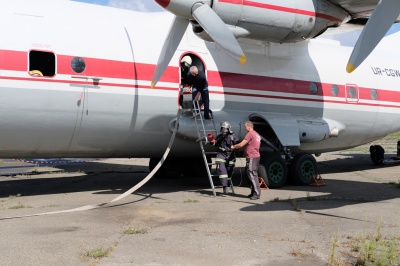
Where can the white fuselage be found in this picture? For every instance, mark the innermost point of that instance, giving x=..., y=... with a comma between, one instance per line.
x=110, y=110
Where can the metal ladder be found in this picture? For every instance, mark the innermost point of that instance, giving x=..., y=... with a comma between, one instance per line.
x=202, y=138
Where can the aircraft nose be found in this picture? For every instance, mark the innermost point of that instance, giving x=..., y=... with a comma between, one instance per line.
x=163, y=3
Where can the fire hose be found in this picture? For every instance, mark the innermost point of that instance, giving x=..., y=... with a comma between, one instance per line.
x=125, y=194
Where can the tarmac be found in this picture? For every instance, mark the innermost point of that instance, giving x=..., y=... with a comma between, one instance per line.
x=179, y=222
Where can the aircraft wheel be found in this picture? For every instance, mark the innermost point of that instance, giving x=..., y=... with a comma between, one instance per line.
x=302, y=168
x=171, y=168
x=273, y=170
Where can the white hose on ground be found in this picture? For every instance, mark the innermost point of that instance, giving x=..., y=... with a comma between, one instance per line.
x=128, y=192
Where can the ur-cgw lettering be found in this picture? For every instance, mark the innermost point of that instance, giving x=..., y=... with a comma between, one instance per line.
x=386, y=71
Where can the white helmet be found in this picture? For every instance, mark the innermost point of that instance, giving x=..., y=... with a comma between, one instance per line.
x=225, y=127
x=186, y=61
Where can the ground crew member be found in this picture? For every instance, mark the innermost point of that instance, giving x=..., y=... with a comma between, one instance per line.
x=225, y=158
x=252, y=141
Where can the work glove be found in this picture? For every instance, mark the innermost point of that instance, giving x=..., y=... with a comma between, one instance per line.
x=210, y=138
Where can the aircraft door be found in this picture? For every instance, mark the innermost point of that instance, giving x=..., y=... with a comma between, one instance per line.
x=107, y=107
x=186, y=61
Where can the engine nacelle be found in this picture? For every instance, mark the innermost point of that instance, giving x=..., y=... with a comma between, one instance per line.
x=277, y=21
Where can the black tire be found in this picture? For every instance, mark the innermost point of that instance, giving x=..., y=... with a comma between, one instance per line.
x=302, y=169
x=171, y=168
x=273, y=170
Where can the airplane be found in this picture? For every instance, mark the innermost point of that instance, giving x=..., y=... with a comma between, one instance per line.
x=85, y=81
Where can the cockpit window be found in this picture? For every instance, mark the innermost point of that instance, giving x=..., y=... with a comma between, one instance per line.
x=42, y=64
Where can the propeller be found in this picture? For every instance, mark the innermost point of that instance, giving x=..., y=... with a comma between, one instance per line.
x=214, y=26
x=176, y=32
x=385, y=13
x=219, y=32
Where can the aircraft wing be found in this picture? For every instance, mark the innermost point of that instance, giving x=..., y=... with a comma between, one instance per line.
x=358, y=9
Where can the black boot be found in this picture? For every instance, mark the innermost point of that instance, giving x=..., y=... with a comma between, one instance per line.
x=225, y=190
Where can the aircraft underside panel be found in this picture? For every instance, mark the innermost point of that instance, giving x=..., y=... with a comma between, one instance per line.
x=284, y=126
x=292, y=130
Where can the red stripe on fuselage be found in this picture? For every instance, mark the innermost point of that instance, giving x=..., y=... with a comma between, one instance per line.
x=13, y=60
x=116, y=69
x=279, y=8
x=102, y=68
x=18, y=61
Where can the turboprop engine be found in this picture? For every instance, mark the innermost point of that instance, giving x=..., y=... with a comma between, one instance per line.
x=282, y=22
x=223, y=21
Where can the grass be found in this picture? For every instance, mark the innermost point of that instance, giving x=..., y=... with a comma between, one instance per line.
x=296, y=252
x=19, y=206
x=374, y=249
x=393, y=136
x=97, y=253
x=191, y=201
x=332, y=256
x=389, y=143
x=136, y=231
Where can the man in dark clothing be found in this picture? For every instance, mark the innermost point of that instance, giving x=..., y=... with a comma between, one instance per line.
x=196, y=79
x=225, y=158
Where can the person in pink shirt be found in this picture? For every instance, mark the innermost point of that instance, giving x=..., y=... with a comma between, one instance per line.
x=251, y=142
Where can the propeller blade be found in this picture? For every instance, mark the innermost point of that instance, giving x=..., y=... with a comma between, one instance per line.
x=174, y=37
x=219, y=32
x=377, y=26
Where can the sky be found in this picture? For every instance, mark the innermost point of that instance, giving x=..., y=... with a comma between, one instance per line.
x=139, y=5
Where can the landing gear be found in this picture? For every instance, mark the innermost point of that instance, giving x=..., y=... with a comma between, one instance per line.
x=273, y=170
x=171, y=168
x=302, y=169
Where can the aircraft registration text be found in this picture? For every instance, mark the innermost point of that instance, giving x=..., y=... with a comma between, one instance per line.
x=386, y=71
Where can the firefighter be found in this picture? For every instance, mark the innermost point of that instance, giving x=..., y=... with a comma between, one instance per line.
x=225, y=157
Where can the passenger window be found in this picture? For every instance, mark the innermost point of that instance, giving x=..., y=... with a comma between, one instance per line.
x=352, y=93
x=78, y=65
x=374, y=94
x=335, y=90
x=42, y=64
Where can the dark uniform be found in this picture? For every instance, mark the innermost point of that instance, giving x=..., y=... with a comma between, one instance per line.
x=199, y=84
x=225, y=158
